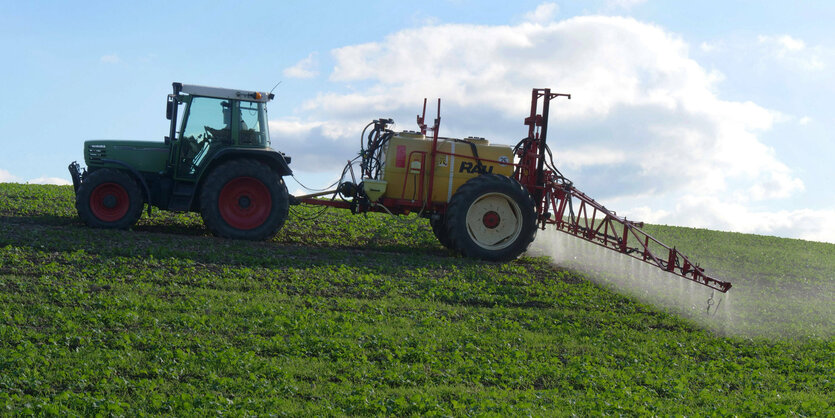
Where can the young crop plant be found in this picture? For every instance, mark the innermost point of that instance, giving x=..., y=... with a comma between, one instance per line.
x=166, y=319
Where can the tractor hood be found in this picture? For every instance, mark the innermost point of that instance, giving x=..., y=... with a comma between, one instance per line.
x=144, y=156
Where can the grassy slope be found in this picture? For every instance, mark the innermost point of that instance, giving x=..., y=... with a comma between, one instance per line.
x=354, y=314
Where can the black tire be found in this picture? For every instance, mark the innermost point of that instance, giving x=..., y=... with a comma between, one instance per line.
x=244, y=199
x=439, y=228
x=109, y=198
x=491, y=217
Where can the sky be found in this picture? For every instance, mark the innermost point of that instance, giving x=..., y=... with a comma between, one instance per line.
x=709, y=114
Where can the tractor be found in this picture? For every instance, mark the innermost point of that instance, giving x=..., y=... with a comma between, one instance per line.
x=482, y=200
x=218, y=163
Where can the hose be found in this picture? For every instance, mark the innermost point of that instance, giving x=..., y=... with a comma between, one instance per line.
x=474, y=149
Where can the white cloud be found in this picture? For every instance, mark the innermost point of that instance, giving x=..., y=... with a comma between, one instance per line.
x=306, y=68
x=7, y=177
x=420, y=19
x=50, y=180
x=776, y=185
x=646, y=214
x=709, y=47
x=624, y=4
x=544, y=13
x=813, y=225
x=315, y=146
x=644, y=119
x=793, y=52
x=110, y=59
x=590, y=156
x=784, y=43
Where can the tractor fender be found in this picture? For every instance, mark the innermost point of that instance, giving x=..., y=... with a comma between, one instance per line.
x=274, y=159
x=146, y=191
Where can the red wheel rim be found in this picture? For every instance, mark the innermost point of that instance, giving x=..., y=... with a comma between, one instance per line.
x=109, y=202
x=491, y=219
x=245, y=203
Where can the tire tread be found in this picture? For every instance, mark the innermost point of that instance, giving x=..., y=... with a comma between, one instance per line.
x=220, y=175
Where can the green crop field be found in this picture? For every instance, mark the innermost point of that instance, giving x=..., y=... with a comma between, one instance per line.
x=369, y=315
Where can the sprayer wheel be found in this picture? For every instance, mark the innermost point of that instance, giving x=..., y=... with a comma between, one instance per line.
x=109, y=198
x=244, y=199
x=491, y=217
x=439, y=228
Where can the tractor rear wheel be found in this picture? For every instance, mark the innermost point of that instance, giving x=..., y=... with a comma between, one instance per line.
x=439, y=228
x=244, y=199
x=491, y=217
x=109, y=198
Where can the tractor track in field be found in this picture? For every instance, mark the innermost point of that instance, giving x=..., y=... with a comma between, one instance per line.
x=196, y=245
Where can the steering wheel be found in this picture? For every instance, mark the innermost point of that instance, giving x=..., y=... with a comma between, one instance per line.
x=209, y=135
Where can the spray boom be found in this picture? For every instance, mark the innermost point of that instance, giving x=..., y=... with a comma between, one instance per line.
x=577, y=214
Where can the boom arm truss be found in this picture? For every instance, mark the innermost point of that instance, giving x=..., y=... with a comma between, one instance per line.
x=577, y=214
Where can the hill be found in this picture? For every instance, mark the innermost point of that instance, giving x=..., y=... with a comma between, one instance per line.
x=343, y=314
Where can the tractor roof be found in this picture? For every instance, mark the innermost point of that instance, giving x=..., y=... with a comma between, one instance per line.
x=222, y=93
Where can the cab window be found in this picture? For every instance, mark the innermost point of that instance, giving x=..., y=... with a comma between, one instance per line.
x=206, y=118
x=253, y=124
x=207, y=125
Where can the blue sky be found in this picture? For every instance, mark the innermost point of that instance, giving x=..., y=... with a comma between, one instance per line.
x=706, y=114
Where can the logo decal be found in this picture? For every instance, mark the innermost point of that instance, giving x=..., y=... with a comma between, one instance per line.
x=470, y=168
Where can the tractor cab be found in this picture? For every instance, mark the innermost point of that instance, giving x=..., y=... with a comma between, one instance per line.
x=212, y=119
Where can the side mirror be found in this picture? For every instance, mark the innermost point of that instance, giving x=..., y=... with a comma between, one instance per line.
x=169, y=108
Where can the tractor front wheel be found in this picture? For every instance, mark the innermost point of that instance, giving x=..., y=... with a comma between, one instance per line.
x=491, y=217
x=109, y=198
x=244, y=199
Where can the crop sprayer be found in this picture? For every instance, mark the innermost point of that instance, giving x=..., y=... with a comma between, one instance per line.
x=483, y=200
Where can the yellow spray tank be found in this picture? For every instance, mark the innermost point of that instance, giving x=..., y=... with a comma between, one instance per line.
x=405, y=166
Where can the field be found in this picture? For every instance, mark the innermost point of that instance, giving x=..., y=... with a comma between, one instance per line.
x=343, y=314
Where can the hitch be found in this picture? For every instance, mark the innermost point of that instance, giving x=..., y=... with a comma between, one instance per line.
x=77, y=174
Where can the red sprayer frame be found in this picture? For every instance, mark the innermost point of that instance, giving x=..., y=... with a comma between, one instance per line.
x=574, y=213
x=578, y=215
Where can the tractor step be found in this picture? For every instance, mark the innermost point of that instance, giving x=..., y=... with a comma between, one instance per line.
x=181, y=196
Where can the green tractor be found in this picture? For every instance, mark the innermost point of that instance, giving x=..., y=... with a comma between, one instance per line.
x=218, y=163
